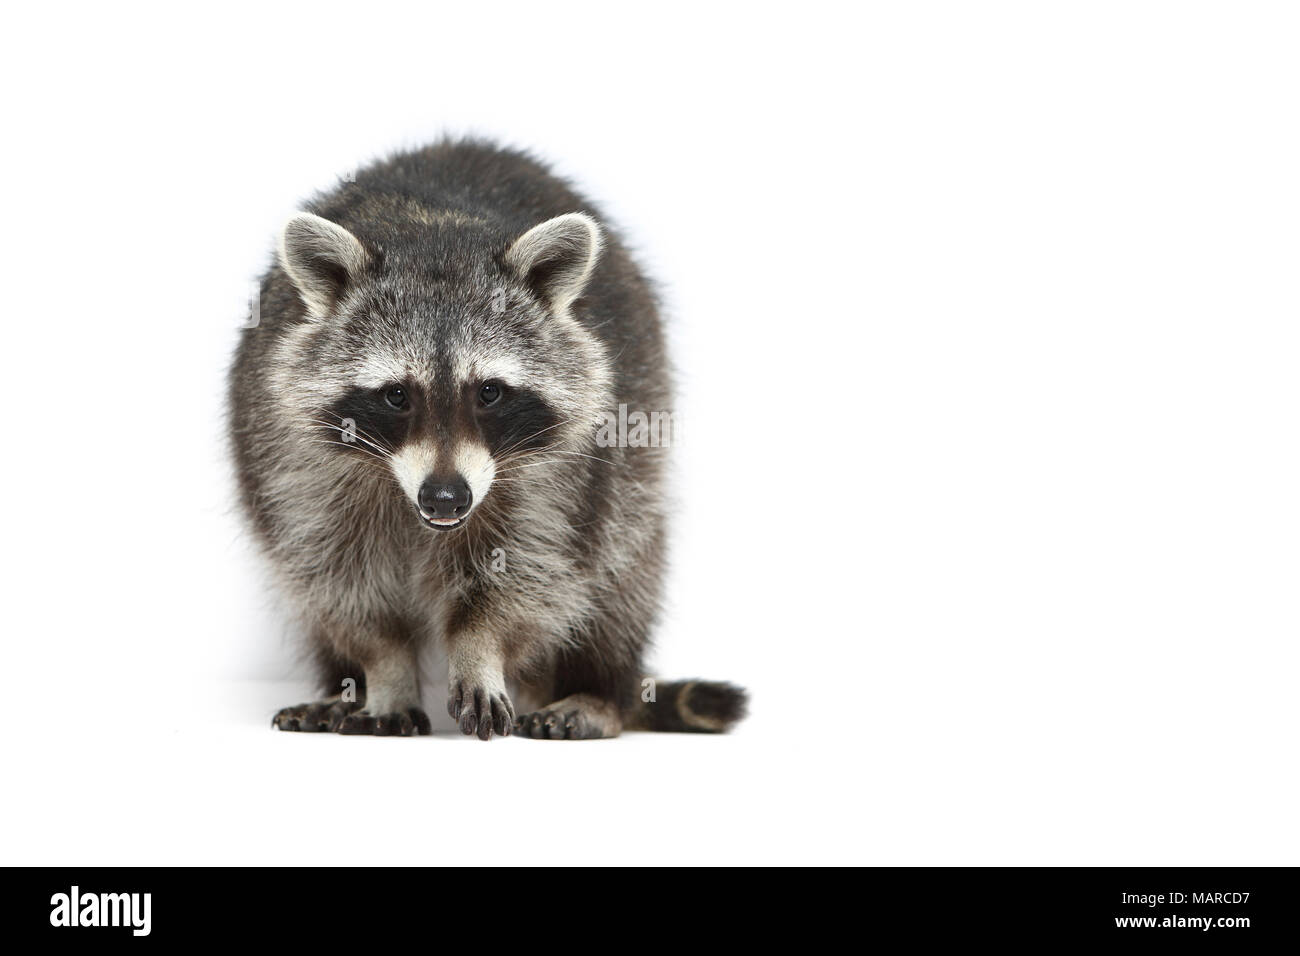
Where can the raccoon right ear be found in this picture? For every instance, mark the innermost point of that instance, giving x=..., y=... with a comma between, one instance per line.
x=557, y=257
x=322, y=258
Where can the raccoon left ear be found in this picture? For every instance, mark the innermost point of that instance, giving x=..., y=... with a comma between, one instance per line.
x=322, y=258
x=557, y=257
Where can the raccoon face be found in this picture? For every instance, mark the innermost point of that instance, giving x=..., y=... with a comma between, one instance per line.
x=447, y=368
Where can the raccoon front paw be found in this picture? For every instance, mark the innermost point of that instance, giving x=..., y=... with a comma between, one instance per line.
x=317, y=717
x=480, y=711
x=401, y=723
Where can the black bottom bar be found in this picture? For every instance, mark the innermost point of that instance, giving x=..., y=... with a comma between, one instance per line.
x=1226, y=907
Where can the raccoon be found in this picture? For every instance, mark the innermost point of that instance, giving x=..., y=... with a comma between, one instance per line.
x=415, y=420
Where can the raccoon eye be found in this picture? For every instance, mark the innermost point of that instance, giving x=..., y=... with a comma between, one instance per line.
x=396, y=397
x=490, y=393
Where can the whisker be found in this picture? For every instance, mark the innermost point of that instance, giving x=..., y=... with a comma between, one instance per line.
x=326, y=411
x=562, y=451
x=538, y=464
x=352, y=445
x=529, y=438
x=572, y=456
x=355, y=434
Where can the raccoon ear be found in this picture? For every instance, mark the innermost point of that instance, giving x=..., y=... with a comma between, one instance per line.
x=557, y=257
x=322, y=258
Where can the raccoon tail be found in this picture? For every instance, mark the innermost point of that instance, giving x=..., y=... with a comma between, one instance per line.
x=688, y=706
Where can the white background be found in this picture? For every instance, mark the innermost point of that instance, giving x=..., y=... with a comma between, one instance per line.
x=986, y=320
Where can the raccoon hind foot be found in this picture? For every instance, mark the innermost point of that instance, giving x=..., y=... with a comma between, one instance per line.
x=401, y=723
x=321, y=716
x=577, y=717
x=347, y=717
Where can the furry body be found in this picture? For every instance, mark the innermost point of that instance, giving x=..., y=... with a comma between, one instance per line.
x=414, y=422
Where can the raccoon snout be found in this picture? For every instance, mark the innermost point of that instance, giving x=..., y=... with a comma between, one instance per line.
x=441, y=500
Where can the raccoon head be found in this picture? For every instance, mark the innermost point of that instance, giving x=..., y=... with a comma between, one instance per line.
x=444, y=350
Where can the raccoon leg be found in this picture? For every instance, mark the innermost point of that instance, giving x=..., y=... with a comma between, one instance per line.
x=334, y=672
x=384, y=700
x=476, y=693
x=591, y=691
x=392, y=695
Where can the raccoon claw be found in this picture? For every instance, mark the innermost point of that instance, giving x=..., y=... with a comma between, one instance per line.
x=404, y=723
x=322, y=716
x=556, y=725
x=480, y=711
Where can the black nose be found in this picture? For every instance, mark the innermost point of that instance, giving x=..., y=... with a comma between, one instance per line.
x=445, y=499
